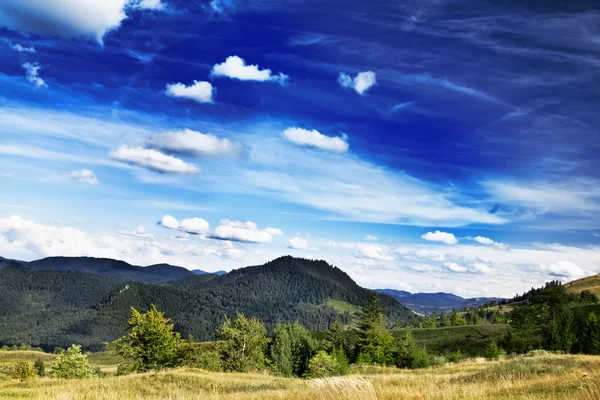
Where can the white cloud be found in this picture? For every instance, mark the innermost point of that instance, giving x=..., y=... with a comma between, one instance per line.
x=202, y=92
x=454, y=267
x=489, y=242
x=361, y=82
x=371, y=238
x=150, y=5
x=68, y=18
x=195, y=144
x=483, y=240
x=565, y=269
x=85, y=176
x=314, y=138
x=372, y=252
x=194, y=226
x=236, y=68
x=32, y=75
x=274, y=231
x=438, y=236
x=298, y=243
x=153, y=160
x=22, y=49
x=238, y=231
x=425, y=268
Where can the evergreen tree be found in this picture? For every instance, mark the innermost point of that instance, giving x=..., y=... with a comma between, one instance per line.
x=592, y=334
x=151, y=343
x=374, y=342
x=335, y=339
x=291, y=349
x=405, y=349
x=244, y=344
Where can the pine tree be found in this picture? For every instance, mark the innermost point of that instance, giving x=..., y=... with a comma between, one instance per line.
x=335, y=339
x=291, y=349
x=592, y=333
x=374, y=342
x=405, y=349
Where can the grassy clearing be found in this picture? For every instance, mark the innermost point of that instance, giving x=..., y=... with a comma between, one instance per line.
x=470, y=339
x=565, y=377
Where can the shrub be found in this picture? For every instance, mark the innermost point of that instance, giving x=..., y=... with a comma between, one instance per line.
x=23, y=370
x=72, y=365
x=125, y=369
x=322, y=365
x=58, y=350
x=454, y=357
x=421, y=358
x=339, y=355
x=494, y=351
x=208, y=360
x=437, y=361
x=40, y=368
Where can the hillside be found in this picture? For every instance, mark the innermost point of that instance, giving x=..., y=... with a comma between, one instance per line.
x=285, y=289
x=428, y=303
x=112, y=269
x=591, y=283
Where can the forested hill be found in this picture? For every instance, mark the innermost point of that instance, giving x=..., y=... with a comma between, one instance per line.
x=44, y=310
x=112, y=269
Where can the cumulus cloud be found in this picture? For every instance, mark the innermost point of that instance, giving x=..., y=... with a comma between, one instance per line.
x=314, y=138
x=298, y=243
x=454, y=267
x=361, y=82
x=68, y=18
x=194, y=226
x=372, y=252
x=239, y=231
x=195, y=144
x=274, y=231
x=564, y=269
x=85, y=176
x=22, y=49
x=153, y=160
x=438, y=236
x=32, y=75
x=235, y=67
x=201, y=92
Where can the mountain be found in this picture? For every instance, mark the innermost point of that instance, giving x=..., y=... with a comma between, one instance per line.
x=112, y=269
x=428, y=303
x=88, y=309
x=200, y=272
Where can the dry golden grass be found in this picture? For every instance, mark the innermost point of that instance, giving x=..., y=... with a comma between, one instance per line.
x=591, y=283
x=548, y=377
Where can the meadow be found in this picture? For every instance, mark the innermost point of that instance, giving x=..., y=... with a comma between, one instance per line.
x=542, y=376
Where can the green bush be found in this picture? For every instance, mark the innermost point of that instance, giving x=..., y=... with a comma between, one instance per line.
x=72, y=365
x=437, y=361
x=40, y=368
x=421, y=358
x=208, y=360
x=454, y=357
x=494, y=351
x=23, y=370
x=125, y=369
x=322, y=365
x=58, y=350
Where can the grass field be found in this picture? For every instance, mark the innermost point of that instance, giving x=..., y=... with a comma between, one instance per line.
x=470, y=339
x=591, y=283
x=521, y=378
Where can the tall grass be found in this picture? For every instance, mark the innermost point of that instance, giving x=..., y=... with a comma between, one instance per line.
x=543, y=377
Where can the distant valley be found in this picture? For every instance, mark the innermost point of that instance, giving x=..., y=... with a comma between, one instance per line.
x=429, y=303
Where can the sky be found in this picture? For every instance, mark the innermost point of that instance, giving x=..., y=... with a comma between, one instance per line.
x=439, y=145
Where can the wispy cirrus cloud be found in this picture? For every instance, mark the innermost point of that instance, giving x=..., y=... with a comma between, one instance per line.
x=153, y=160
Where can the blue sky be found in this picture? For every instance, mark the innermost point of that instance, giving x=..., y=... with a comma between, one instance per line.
x=427, y=146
